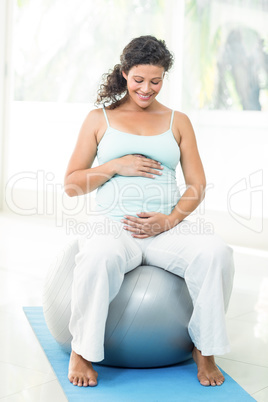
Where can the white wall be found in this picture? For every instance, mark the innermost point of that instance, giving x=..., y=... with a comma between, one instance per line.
x=234, y=148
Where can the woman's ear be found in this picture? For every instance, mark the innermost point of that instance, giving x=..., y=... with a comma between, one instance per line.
x=124, y=75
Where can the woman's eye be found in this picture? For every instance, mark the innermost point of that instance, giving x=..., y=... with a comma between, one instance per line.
x=139, y=82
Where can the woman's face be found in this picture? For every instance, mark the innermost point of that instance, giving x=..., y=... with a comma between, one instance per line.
x=144, y=82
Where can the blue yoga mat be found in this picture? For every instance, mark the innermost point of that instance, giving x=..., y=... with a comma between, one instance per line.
x=170, y=384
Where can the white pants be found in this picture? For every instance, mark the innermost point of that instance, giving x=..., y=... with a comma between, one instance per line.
x=108, y=251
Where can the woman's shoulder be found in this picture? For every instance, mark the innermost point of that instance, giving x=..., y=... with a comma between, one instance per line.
x=95, y=113
x=94, y=122
x=181, y=115
x=181, y=119
x=178, y=115
x=181, y=126
x=95, y=117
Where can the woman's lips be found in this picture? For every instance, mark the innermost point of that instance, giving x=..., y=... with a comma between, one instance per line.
x=144, y=97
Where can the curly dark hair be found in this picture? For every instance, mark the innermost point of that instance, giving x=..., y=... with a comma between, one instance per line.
x=142, y=50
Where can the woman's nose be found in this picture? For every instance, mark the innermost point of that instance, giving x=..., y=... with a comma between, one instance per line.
x=146, y=88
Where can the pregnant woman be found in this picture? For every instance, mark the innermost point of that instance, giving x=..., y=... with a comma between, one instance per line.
x=140, y=213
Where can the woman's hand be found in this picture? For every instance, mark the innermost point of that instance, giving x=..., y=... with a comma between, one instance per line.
x=148, y=224
x=137, y=165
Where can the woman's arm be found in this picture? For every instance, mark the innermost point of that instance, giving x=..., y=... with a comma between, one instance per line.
x=193, y=172
x=81, y=178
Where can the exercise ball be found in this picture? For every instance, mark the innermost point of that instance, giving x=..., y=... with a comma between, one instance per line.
x=147, y=321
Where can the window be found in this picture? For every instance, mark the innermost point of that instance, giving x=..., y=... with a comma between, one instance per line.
x=226, y=55
x=62, y=48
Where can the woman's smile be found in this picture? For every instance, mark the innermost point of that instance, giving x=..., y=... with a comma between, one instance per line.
x=144, y=97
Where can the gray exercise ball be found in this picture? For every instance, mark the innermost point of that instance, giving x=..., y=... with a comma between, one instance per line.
x=147, y=321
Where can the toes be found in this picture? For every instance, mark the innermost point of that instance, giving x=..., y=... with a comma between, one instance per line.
x=204, y=381
x=92, y=382
x=70, y=378
x=219, y=381
x=81, y=382
x=207, y=381
x=85, y=382
x=219, y=378
x=75, y=381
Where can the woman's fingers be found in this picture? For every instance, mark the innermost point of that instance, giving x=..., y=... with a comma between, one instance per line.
x=151, y=224
x=146, y=214
x=150, y=170
x=145, y=159
x=151, y=163
x=140, y=236
x=133, y=225
x=134, y=230
x=149, y=166
x=138, y=165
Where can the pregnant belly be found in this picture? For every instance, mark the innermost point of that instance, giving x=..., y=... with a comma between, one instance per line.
x=123, y=195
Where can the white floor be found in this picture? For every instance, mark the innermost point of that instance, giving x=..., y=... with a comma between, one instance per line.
x=27, y=247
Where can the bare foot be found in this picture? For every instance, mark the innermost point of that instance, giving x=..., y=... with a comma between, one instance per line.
x=208, y=373
x=81, y=372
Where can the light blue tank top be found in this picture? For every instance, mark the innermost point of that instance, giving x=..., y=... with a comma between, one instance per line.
x=129, y=195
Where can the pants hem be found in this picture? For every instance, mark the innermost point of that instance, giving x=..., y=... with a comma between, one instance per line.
x=93, y=358
x=215, y=351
